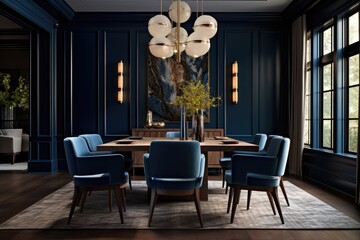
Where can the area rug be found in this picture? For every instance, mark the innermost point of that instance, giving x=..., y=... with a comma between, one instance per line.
x=21, y=166
x=305, y=212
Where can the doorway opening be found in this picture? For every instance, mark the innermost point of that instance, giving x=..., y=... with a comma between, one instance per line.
x=14, y=95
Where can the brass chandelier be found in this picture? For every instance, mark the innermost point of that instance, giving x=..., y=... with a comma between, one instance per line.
x=168, y=40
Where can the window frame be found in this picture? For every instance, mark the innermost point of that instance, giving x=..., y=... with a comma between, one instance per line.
x=339, y=58
x=350, y=50
x=324, y=60
x=308, y=92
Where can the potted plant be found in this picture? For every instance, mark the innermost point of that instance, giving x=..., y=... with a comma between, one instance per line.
x=195, y=98
x=5, y=90
x=21, y=94
x=12, y=95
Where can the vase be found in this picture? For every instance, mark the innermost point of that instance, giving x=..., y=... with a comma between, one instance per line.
x=7, y=117
x=149, y=120
x=198, y=132
x=183, y=124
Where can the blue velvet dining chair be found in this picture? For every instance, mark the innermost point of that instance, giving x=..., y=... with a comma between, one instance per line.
x=93, y=140
x=94, y=173
x=174, y=168
x=258, y=173
x=172, y=134
x=263, y=153
x=225, y=162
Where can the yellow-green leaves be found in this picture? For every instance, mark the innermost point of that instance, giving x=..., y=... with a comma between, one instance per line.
x=195, y=96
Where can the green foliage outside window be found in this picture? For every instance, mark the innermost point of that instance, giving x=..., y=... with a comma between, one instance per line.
x=353, y=102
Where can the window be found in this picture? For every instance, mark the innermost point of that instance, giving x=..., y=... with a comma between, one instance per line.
x=353, y=103
x=327, y=41
x=327, y=106
x=307, y=122
x=352, y=79
x=332, y=91
x=327, y=89
x=353, y=26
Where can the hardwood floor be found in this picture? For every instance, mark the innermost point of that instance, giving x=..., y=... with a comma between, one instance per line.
x=19, y=190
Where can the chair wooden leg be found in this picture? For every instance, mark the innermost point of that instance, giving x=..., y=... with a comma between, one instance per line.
x=118, y=200
x=83, y=198
x=271, y=202
x=275, y=195
x=110, y=201
x=13, y=159
x=229, y=200
x=235, y=202
x=223, y=180
x=152, y=205
x=78, y=198
x=197, y=205
x=122, y=195
x=74, y=203
x=248, y=199
x=130, y=182
x=282, y=186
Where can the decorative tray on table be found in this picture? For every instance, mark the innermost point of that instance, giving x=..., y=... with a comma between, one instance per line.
x=220, y=138
x=124, y=141
x=136, y=137
x=230, y=141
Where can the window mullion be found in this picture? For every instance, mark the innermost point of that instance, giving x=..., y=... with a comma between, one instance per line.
x=339, y=86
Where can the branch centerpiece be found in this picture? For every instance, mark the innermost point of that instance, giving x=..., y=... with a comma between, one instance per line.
x=195, y=98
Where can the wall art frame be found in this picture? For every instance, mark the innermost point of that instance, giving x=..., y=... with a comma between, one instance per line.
x=164, y=77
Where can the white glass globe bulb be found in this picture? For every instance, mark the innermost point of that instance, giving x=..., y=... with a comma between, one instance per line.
x=161, y=47
x=185, y=11
x=206, y=25
x=190, y=53
x=159, y=26
x=183, y=38
x=197, y=45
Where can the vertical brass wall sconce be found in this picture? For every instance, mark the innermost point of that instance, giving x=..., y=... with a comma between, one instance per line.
x=235, y=82
x=120, y=95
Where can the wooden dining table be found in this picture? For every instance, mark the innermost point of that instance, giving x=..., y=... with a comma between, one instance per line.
x=223, y=144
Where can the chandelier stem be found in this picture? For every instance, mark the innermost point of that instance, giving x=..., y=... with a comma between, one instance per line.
x=202, y=7
x=197, y=8
x=161, y=7
x=178, y=58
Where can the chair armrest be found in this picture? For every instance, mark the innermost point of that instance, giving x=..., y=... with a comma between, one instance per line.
x=9, y=144
x=174, y=179
x=202, y=165
x=6, y=142
x=100, y=153
x=201, y=170
x=25, y=142
x=250, y=153
x=244, y=164
x=114, y=164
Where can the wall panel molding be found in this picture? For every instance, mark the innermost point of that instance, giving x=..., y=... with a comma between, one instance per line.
x=116, y=116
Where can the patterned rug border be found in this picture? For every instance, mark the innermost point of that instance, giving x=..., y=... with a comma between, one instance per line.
x=305, y=212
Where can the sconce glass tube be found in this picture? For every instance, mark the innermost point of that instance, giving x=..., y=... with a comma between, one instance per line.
x=235, y=82
x=120, y=96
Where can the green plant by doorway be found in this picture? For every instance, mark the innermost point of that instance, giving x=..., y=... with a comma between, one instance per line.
x=13, y=95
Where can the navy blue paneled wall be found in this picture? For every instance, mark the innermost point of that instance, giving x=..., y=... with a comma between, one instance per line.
x=99, y=41
x=74, y=76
